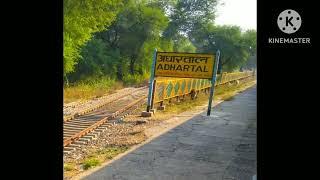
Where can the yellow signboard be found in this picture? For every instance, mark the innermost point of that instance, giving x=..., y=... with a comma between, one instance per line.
x=184, y=65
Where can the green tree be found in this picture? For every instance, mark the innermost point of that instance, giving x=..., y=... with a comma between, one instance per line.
x=183, y=44
x=82, y=18
x=249, y=41
x=137, y=28
x=117, y=38
x=96, y=61
x=233, y=44
x=186, y=15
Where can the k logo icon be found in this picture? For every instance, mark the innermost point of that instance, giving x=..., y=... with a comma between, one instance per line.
x=289, y=21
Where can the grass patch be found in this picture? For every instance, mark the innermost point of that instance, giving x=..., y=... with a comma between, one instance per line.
x=69, y=167
x=229, y=98
x=91, y=162
x=97, y=87
x=88, y=89
x=130, y=80
x=111, y=152
x=97, y=157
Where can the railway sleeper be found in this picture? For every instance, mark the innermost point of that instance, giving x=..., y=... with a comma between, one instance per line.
x=67, y=152
x=80, y=142
x=73, y=128
x=80, y=122
x=86, y=140
x=79, y=125
x=68, y=134
x=76, y=126
x=70, y=131
x=74, y=145
x=69, y=148
x=91, y=136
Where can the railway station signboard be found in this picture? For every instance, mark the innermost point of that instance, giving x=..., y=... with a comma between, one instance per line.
x=184, y=65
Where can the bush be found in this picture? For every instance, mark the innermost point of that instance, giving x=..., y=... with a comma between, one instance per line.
x=135, y=79
x=89, y=88
x=68, y=167
x=90, y=163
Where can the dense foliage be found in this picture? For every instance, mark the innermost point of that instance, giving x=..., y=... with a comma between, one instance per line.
x=116, y=38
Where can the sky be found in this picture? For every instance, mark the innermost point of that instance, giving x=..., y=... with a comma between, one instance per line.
x=237, y=12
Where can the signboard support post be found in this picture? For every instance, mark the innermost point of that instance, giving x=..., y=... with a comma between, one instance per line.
x=213, y=80
x=153, y=90
x=150, y=94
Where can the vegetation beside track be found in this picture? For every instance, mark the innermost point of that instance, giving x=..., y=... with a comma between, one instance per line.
x=134, y=135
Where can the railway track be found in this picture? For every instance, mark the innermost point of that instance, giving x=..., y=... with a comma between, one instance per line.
x=82, y=129
x=80, y=108
x=87, y=124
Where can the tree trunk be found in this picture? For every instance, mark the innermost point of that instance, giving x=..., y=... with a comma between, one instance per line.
x=66, y=80
x=131, y=66
x=119, y=72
